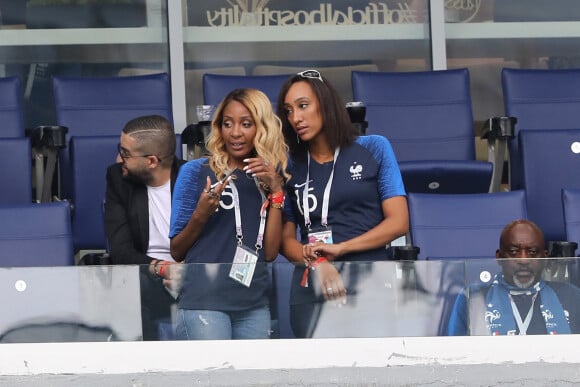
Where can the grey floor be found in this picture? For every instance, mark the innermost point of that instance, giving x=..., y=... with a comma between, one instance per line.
x=530, y=374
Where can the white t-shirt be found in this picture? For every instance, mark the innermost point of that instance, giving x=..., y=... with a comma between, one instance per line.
x=159, y=216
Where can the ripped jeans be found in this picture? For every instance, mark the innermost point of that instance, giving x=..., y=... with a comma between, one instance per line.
x=216, y=325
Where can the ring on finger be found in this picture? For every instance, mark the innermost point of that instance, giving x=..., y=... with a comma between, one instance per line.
x=329, y=290
x=211, y=194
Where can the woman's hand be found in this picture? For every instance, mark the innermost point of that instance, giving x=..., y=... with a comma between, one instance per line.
x=330, y=283
x=209, y=199
x=266, y=173
x=329, y=250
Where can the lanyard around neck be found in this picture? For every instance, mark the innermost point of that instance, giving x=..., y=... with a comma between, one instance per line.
x=238, y=216
x=523, y=325
x=325, y=198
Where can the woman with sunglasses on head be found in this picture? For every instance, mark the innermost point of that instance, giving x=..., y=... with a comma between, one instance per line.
x=346, y=195
x=227, y=214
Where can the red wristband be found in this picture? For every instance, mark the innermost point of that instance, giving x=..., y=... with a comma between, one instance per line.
x=162, y=267
x=318, y=262
x=276, y=197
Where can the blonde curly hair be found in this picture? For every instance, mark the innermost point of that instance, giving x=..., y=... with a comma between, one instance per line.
x=269, y=141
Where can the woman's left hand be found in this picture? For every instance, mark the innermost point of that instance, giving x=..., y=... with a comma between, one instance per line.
x=266, y=173
x=329, y=250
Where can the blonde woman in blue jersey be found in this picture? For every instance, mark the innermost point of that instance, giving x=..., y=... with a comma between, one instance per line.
x=227, y=217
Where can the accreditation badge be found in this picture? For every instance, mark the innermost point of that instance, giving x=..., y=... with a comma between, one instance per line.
x=323, y=235
x=244, y=265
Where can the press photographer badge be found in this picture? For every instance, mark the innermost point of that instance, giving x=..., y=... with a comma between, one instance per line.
x=244, y=265
x=320, y=235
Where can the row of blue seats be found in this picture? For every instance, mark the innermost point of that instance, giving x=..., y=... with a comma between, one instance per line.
x=446, y=226
x=426, y=115
x=549, y=166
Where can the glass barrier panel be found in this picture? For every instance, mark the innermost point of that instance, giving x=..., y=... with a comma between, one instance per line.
x=64, y=304
x=341, y=300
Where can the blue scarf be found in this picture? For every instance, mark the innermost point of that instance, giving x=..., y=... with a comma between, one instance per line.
x=499, y=317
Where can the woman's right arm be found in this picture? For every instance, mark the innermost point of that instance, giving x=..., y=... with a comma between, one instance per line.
x=205, y=207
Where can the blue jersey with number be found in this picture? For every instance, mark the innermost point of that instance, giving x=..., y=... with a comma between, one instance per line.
x=365, y=174
x=209, y=286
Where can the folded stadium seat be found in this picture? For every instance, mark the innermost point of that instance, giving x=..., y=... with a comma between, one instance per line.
x=11, y=107
x=550, y=163
x=216, y=87
x=338, y=76
x=16, y=173
x=102, y=106
x=427, y=117
x=539, y=99
x=461, y=228
x=36, y=235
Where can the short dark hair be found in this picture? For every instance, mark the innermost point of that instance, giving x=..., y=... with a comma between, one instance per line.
x=154, y=135
x=336, y=122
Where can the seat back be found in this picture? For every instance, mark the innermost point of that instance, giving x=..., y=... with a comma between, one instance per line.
x=16, y=175
x=462, y=226
x=11, y=107
x=426, y=115
x=36, y=235
x=550, y=162
x=427, y=118
x=90, y=157
x=216, y=86
x=539, y=99
x=102, y=106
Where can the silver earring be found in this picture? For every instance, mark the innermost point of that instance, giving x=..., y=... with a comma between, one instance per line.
x=297, y=138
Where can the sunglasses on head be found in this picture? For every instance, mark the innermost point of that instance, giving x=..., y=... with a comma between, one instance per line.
x=312, y=74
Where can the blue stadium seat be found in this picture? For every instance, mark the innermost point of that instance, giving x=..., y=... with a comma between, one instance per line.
x=11, y=107
x=16, y=173
x=102, y=106
x=428, y=119
x=539, y=99
x=36, y=235
x=90, y=156
x=550, y=163
x=216, y=86
x=462, y=226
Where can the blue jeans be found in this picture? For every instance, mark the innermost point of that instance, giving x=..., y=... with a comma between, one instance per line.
x=216, y=325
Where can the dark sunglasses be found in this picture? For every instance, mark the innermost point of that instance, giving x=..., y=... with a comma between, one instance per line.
x=312, y=74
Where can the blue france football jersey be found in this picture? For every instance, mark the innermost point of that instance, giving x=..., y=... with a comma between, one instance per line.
x=209, y=286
